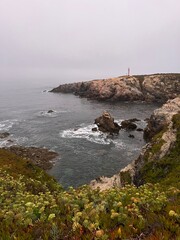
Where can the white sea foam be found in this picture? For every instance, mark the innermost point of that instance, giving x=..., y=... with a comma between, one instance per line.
x=3, y=143
x=51, y=114
x=119, y=121
x=140, y=123
x=85, y=132
x=10, y=141
x=7, y=124
x=20, y=140
x=119, y=144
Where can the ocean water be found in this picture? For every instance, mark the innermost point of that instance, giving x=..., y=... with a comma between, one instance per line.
x=83, y=155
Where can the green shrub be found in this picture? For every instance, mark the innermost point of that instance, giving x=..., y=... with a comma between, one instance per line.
x=34, y=206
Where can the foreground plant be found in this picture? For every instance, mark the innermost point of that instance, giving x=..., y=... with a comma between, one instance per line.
x=34, y=206
x=82, y=213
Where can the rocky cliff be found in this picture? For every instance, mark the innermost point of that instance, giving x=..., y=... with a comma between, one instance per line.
x=159, y=157
x=156, y=87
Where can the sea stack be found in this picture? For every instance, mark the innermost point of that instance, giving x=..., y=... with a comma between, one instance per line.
x=106, y=123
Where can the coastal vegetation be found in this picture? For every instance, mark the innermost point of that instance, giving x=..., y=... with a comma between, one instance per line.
x=166, y=170
x=34, y=206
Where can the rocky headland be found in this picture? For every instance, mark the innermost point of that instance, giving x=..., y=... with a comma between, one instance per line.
x=40, y=157
x=150, y=88
x=34, y=206
x=161, y=130
x=155, y=161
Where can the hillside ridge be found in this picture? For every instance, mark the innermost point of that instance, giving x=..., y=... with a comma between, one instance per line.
x=150, y=88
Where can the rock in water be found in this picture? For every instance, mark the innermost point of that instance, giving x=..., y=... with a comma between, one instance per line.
x=128, y=125
x=131, y=136
x=4, y=135
x=139, y=130
x=106, y=123
x=50, y=111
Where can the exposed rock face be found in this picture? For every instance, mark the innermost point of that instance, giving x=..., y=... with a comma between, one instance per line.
x=155, y=150
x=161, y=117
x=104, y=183
x=106, y=123
x=156, y=87
x=41, y=157
x=160, y=146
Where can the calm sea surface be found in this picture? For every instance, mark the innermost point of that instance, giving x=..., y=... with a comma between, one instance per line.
x=83, y=155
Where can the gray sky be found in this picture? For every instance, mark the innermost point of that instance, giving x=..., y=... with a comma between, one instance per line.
x=73, y=40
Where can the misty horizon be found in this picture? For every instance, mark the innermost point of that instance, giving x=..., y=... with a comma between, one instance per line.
x=70, y=41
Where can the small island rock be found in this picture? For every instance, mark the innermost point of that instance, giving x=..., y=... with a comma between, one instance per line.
x=106, y=123
x=50, y=111
x=4, y=135
x=128, y=125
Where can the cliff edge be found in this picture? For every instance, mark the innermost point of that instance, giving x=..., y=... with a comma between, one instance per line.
x=159, y=158
x=150, y=88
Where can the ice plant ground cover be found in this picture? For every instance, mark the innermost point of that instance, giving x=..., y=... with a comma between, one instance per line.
x=34, y=206
x=30, y=210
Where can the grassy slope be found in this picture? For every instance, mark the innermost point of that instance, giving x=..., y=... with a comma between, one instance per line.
x=166, y=170
x=34, y=206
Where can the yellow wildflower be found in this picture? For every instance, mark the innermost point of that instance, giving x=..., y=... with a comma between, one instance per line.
x=119, y=204
x=51, y=216
x=119, y=232
x=99, y=233
x=172, y=213
x=28, y=204
x=114, y=215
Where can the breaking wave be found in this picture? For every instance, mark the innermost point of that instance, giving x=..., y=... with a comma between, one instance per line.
x=50, y=113
x=7, y=124
x=10, y=141
x=86, y=132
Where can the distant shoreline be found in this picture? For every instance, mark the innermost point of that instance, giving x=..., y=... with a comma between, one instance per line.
x=149, y=88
